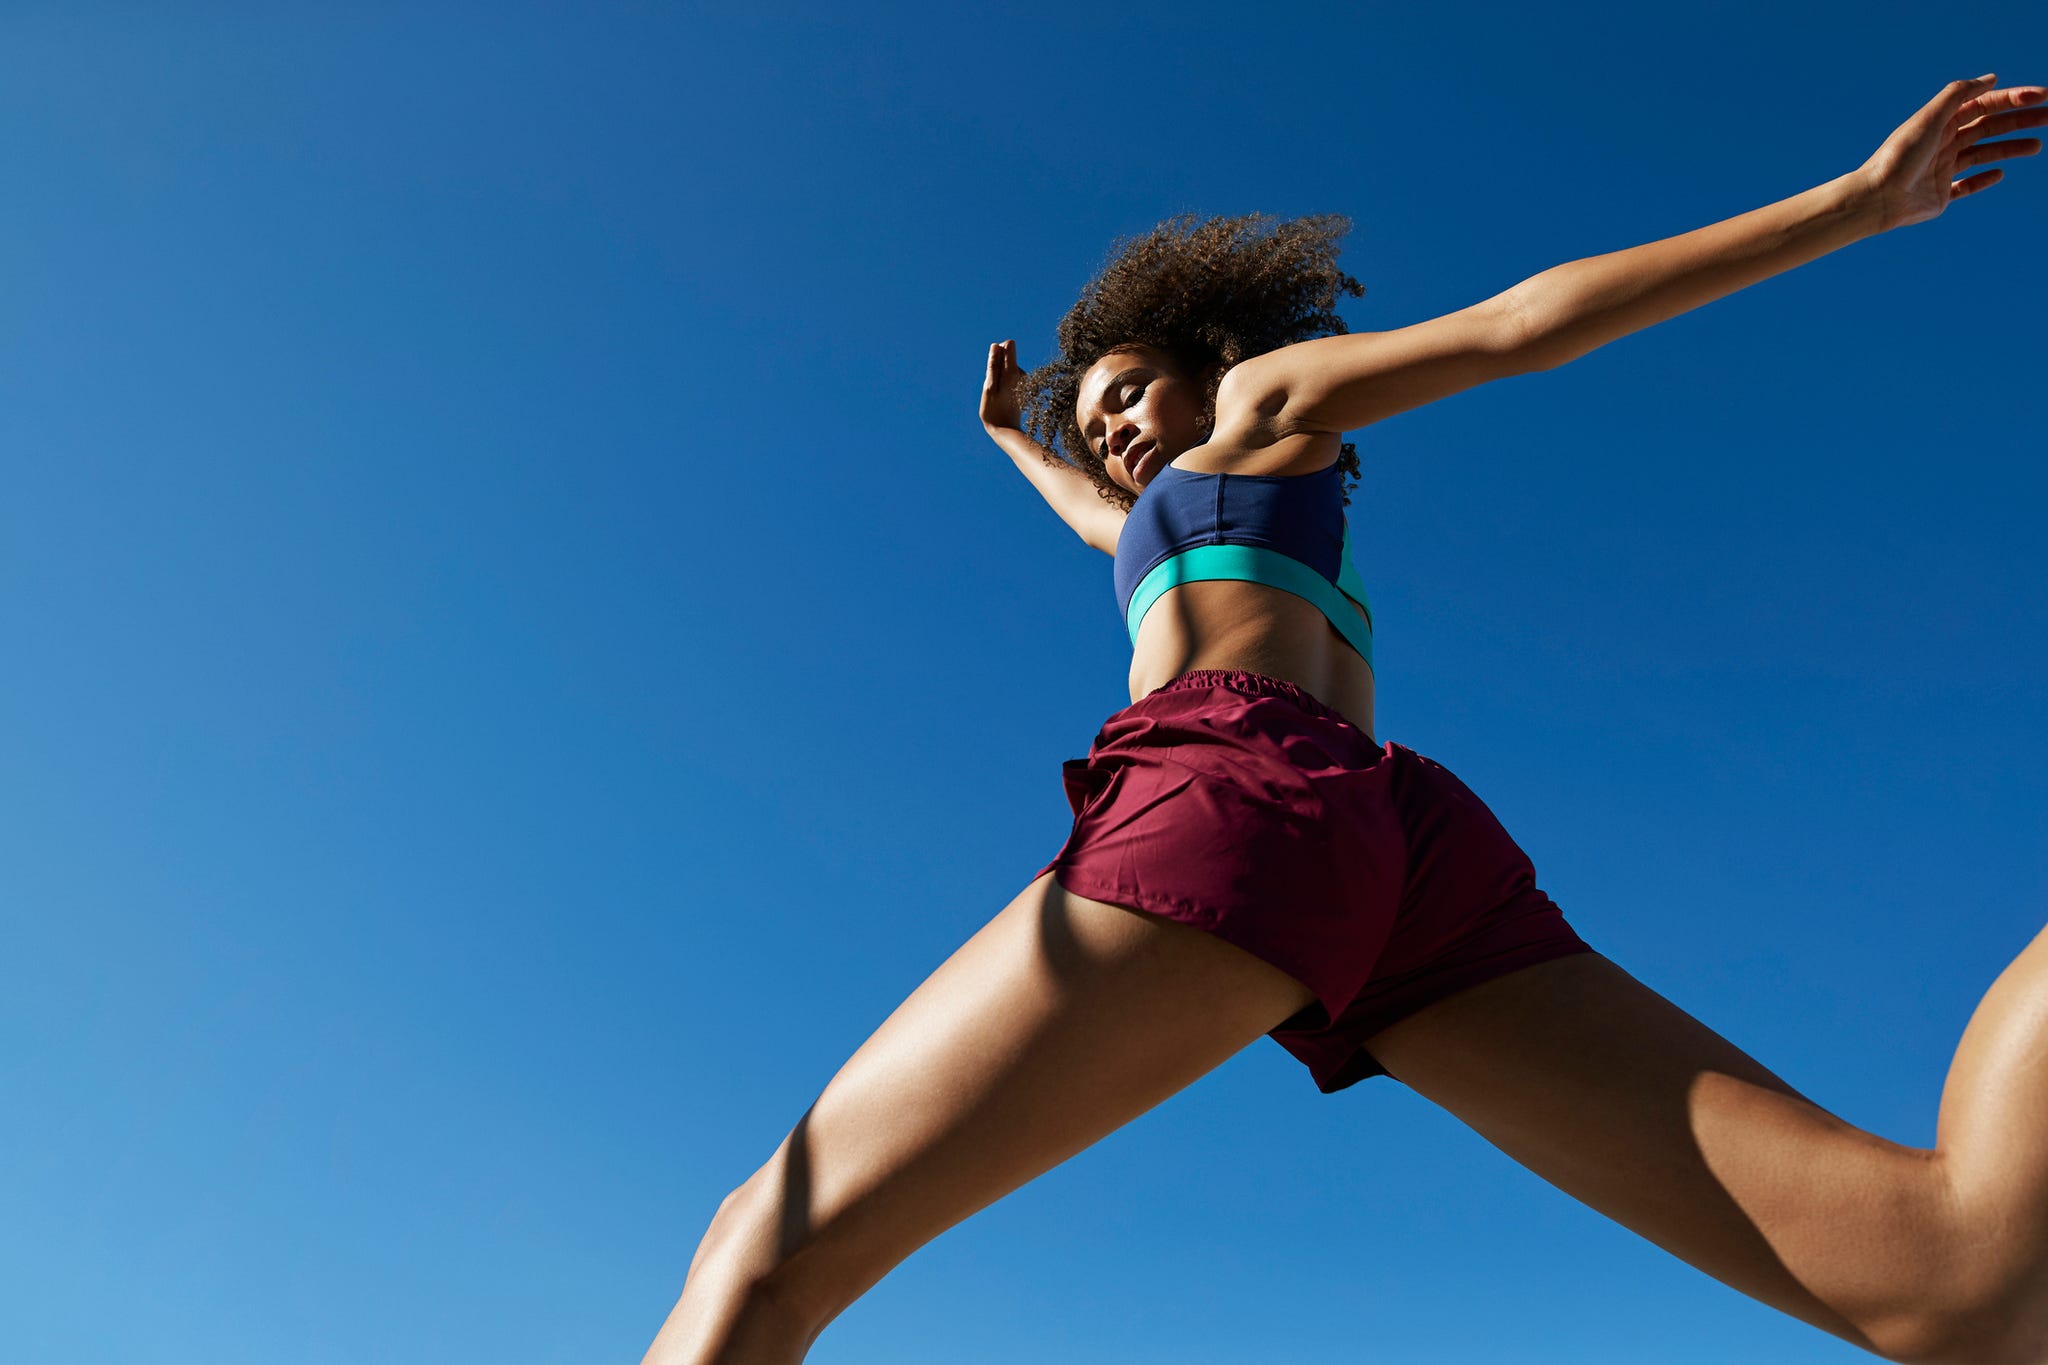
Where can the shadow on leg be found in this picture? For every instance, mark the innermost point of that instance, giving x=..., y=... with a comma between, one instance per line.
x=1058, y=1022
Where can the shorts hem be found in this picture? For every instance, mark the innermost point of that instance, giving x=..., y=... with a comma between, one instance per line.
x=1359, y=1064
x=1076, y=881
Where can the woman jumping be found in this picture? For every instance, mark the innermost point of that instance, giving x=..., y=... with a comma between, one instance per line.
x=1247, y=860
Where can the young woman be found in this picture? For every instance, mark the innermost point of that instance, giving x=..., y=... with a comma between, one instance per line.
x=1246, y=860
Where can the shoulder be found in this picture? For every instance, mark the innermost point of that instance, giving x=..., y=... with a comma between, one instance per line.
x=1256, y=431
x=1253, y=392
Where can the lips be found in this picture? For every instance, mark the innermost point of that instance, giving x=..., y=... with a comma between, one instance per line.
x=1135, y=457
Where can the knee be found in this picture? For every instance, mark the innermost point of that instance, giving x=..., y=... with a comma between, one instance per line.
x=736, y=1249
x=750, y=1243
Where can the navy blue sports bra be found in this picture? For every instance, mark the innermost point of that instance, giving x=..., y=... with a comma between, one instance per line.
x=1287, y=531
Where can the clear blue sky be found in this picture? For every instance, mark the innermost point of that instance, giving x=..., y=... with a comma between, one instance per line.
x=519, y=655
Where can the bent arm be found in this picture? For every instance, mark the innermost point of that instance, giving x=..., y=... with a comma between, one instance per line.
x=1070, y=493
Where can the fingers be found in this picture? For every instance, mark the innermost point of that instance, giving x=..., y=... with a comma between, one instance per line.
x=1997, y=125
x=1955, y=97
x=1960, y=102
x=1973, y=151
x=1981, y=180
x=1981, y=100
x=1997, y=151
x=1945, y=112
x=1002, y=367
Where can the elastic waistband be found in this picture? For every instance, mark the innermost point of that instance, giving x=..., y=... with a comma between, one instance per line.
x=1254, y=685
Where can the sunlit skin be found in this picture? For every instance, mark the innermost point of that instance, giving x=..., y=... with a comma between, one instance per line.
x=1064, y=1018
x=1141, y=411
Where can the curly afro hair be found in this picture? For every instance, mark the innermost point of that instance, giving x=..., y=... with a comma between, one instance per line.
x=1201, y=291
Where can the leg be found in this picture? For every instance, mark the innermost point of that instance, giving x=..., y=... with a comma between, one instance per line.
x=1060, y=1021
x=1622, y=1100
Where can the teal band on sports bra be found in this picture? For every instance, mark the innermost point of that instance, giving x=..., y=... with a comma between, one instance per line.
x=1353, y=587
x=1255, y=564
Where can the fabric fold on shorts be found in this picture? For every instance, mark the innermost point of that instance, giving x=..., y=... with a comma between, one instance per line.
x=1244, y=806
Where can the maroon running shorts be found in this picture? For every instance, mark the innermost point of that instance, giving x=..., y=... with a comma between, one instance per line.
x=1242, y=805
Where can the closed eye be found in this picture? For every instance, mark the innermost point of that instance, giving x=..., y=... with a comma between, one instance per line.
x=1131, y=391
x=1131, y=395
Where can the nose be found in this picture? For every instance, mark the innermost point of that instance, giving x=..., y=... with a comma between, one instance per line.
x=1121, y=438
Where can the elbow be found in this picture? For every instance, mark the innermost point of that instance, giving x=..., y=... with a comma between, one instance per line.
x=1529, y=337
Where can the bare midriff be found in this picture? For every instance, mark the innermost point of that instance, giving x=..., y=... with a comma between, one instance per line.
x=1229, y=624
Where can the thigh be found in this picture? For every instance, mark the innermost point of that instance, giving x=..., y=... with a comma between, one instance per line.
x=1621, y=1099
x=1059, y=1021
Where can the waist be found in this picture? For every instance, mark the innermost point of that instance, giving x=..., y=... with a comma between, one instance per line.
x=1247, y=683
x=1236, y=626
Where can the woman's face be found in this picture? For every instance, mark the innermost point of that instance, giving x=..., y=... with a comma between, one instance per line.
x=1138, y=411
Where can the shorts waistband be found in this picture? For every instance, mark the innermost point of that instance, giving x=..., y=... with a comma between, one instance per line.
x=1252, y=684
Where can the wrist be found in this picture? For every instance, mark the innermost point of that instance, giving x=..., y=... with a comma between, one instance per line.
x=1863, y=197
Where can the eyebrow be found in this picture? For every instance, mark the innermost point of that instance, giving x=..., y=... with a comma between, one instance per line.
x=1111, y=387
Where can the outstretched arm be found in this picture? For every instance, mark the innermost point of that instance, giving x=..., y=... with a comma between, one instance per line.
x=1338, y=383
x=1071, y=493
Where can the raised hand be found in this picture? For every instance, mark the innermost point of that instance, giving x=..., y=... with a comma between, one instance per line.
x=1914, y=172
x=999, y=409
